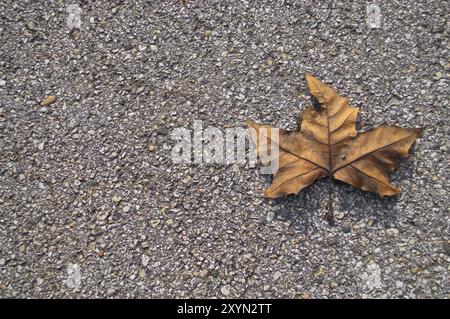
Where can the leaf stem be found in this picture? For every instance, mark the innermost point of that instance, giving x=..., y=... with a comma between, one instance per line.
x=329, y=214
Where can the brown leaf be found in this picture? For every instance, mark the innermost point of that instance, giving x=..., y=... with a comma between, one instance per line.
x=328, y=144
x=295, y=171
x=369, y=158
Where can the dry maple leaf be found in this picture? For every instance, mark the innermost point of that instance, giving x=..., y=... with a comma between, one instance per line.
x=328, y=145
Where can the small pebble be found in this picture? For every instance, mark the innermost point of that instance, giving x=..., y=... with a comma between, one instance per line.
x=225, y=290
x=276, y=275
x=145, y=260
x=116, y=199
x=346, y=229
x=303, y=295
x=437, y=76
x=48, y=100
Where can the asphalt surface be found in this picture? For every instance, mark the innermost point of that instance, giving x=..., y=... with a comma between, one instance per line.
x=91, y=204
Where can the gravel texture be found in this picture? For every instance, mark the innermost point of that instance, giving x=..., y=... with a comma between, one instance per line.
x=91, y=204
